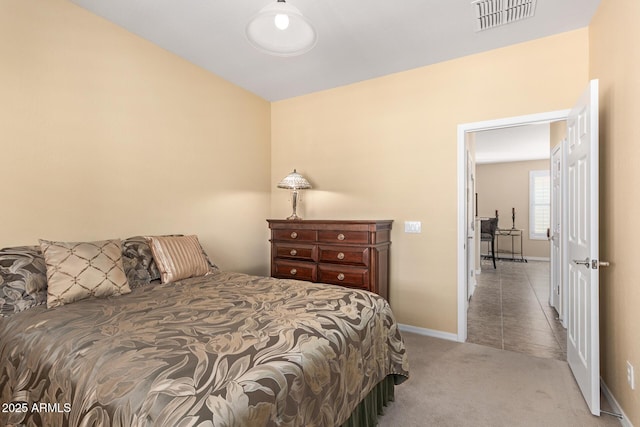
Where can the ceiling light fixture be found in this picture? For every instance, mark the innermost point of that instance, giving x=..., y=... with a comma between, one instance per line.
x=280, y=29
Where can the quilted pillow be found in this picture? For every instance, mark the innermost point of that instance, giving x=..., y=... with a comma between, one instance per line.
x=23, y=279
x=178, y=257
x=78, y=270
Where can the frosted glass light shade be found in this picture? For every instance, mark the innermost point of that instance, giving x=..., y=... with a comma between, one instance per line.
x=294, y=181
x=273, y=38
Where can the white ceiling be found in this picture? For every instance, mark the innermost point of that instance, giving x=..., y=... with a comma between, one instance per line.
x=513, y=144
x=357, y=39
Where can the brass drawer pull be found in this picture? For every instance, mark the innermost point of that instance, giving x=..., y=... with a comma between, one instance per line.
x=340, y=236
x=340, y=255
x=294, y=234
x=340, y=276
x=293, y=252
x=293, y=271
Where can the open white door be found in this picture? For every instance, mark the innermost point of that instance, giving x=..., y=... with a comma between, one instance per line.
x=470, y=220
x=583, y=338
x=555, y=294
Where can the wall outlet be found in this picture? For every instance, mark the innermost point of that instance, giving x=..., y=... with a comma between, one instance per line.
x=412, y=227
x=631, y=379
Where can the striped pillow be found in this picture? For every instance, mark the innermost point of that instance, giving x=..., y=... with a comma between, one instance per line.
x=178, y=257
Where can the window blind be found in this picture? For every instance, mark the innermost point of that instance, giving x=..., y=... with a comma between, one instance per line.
x=539, y=204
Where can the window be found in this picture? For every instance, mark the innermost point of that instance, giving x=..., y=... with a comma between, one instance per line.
x=539, y=204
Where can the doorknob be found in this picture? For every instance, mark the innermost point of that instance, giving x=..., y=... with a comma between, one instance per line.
x=586, y=262
x=595, y=264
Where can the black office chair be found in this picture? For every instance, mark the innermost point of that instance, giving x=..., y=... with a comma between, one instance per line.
x=488, y=229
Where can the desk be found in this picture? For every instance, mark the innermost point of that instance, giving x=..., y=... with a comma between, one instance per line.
x=514, y=234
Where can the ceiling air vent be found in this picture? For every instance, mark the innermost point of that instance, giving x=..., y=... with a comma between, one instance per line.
x=493, y=13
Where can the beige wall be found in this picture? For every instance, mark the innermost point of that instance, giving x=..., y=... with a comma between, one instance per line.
x=504, y=186
x=557, y=132
x=103, y=134
x=614, y=60
x=386, y=148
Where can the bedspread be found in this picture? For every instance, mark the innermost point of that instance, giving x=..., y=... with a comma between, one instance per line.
x=226, y=349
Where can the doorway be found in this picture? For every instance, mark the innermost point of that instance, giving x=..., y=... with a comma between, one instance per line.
x=463, y=219
x=581, y=231
x=510, y=309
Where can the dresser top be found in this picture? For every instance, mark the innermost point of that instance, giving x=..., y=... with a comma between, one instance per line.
x=331, y=224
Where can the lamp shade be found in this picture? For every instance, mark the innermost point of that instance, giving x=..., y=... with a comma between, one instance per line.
x=280, y=29
x=294, y=181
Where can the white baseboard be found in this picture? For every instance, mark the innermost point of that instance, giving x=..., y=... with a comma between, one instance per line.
x=537, y=258
x=624, y=421
x=428, y=332
x=528, y=258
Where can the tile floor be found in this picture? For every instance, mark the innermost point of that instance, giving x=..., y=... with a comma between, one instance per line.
x=510, y=310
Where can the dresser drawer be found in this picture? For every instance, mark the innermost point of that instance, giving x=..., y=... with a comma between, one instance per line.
x=344, y=255
x=294, y=270
x=293, y=234
x=293, y=251
x=344, y=275
x=337, y=236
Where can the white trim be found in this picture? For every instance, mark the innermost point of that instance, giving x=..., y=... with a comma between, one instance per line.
x=615, y=406
x=462, y=177
x=462, y=237
x=537, y=258
x=428, y=332
x=528, y=258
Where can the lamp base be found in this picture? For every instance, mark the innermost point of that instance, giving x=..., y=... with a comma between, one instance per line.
x=294, y=204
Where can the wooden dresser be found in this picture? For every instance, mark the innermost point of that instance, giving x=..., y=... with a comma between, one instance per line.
x=347, y=253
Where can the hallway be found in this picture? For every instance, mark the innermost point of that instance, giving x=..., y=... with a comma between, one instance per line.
x=510, y=310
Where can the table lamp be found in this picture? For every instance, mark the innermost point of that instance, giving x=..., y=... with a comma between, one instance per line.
x=294, y=181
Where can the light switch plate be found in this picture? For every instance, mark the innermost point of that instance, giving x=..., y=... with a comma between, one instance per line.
x=412, y=227
x=631, y=378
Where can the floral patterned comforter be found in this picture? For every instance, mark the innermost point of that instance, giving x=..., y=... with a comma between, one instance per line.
x=226, y=349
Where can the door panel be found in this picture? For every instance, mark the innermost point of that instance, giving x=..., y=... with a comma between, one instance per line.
x=583, y=338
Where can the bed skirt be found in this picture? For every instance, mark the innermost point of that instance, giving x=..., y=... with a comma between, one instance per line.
x=367, y=411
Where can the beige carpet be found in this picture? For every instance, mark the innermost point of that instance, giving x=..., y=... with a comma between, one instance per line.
x=463, y=384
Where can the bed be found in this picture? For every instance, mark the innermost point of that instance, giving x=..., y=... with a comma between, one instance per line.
x=223, y=349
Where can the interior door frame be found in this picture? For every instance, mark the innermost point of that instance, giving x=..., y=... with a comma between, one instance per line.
x=471, y=223
x=463, y=129
x=559, y=212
